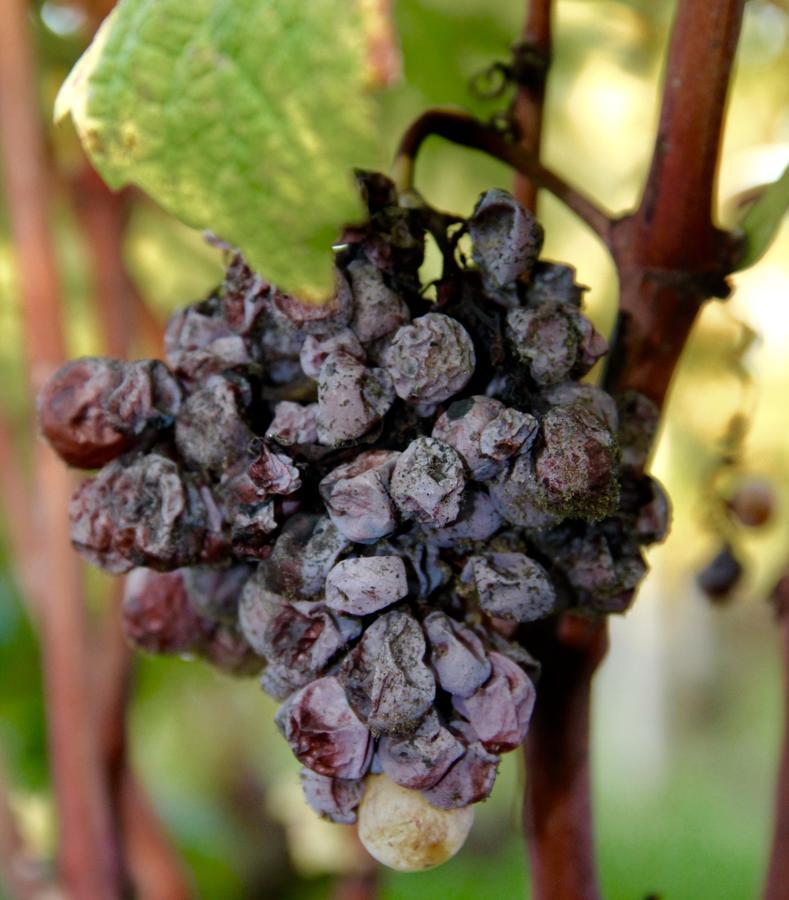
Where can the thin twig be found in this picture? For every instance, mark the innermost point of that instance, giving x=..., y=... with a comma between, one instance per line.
x=778, y=871
x=15, y=493
x=102, y=216
x=87, y=850
x=528, y=108
x=156, y=868
x=463, y=129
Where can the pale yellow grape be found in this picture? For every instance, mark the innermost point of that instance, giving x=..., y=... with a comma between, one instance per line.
x=403, y=831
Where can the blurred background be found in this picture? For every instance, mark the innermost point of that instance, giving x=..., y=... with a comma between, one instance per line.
x=687, y=706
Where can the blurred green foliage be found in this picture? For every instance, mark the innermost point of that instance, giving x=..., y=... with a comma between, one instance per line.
x=687, y=710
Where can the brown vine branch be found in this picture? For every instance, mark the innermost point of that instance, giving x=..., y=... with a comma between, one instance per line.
x=157, y=870
x=102, y=217
x=88, y=859
x=669, y=254
x=15, y=491
x=557, y=813
x=463, y=129
x=778, y=869
x=528, y=108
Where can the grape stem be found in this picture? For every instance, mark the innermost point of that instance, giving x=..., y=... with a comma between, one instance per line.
x=463, y=129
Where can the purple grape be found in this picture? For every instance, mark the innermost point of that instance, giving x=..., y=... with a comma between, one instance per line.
x=317, y=318
x=325, y=545
x=427, y=482
x=594, y=400
x=294, y=424
x=638, y=423
x=457, y=655
x=431, y=359
x=469, y=780
x=357, y=499
x=298, y=638
x=506, y=237
x=363, y=586
x=147, y=396
x=478, y=520
x=577, y=465
x=421, y=759
x=246, y=297
x=592, y=346
x=268, y=473
x=315, y=349
x=225, y=649
x=554, y=341
x=519, y=498
x=215, y=593
x=589, y=565
x=336, y=799
x=303, y=554
x=654, y=512
x=157, y=614
x=500, y=710
x=385, y=676
x=378, y=310
x=93, y=530
x=552, y=282
x=510, y=433
x=211, y=433
x=511, y=586
x=545, y=341
x=276, y=345
x=721, y=575
x=145, y=514
x=462, y=425
x=280, y=682
x=351, y=399
x=199, y=343
x=92, y=409
x=430, y=571
x=323, y=731
x=252, y=527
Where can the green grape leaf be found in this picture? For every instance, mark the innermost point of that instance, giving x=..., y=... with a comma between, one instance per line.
x=763, y=219
x=243, y=117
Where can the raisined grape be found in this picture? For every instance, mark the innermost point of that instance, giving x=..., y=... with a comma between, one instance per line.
x=373, y=503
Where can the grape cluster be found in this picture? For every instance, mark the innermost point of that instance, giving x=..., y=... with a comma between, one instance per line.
x=371, y=501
